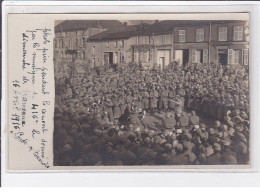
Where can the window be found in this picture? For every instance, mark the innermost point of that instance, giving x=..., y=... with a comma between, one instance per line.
x=94, y=62
x=70, y=43
x=83, y=55
x=83, y=42
x=205, y=55
x=163, y=39
x=61, y=43
x=146, y=53
x=238, y=33
x=93, y=50
x=181, y=35
x=199, y=56
x=116, y=57
x=122, y=43
x=116, y=43
x=141, y=55
x=107, y=44
x=245, y=57
x=150, y=55
x=122, y=57
x=194, y=56
x=233, y=56
x=76, y=43
x=136, y=56
x=236, y=56
x=222, y=34
x=200, y=35
x=230, y=56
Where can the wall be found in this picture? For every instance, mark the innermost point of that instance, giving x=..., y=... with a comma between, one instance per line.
x=101, y=48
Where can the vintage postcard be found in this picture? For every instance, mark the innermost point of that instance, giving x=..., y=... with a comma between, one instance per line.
x=128, y=91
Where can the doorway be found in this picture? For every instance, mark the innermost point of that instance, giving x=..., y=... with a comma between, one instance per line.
x=108, y=58
x=222, y=56
x=163, y=57
x=162, y=61
x=182, y=56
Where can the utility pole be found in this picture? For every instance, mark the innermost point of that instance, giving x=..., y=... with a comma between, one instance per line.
x=73, y=54
x=209, y=42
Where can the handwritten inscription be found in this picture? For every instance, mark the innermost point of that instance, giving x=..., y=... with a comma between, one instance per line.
x=30, y=94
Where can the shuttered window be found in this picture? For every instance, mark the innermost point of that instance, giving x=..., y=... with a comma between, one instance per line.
x=238, y=33
x=200, y=35
x=182, y=36
x=222, y=34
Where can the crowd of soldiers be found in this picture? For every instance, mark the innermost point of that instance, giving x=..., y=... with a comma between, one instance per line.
x=100, y=117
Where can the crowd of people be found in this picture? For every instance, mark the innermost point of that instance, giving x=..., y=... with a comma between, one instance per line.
x=101, y=116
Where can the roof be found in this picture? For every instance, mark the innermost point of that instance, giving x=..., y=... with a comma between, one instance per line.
x=73, y=25
x=166, y=26
x=122, y=32
x=157, y=28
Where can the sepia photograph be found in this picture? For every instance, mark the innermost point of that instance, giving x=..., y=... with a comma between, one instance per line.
x=151, y=92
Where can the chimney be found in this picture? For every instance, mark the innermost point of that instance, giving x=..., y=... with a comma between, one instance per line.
x=125, y=23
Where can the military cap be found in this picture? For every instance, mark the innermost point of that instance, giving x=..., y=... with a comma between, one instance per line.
x=188, y=136
x=243, y=147
x=217, y=146
x=179, y=147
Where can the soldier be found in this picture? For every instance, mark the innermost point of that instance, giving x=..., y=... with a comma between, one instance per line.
x=109, y=107
x=169, y=122
x=153, y=99
x=116, y=108
x=165, y=93
x=194, y=119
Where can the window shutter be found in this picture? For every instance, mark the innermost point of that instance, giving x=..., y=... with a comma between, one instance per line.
x=197, y=35
x=146, y=55
x=240, y=35
x=245, y=56
x=236, y=56
x=194, y=55
x=151, y=55
x=230, y=56
x=205, y=55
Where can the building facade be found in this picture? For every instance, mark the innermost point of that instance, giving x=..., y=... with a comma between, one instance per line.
x=70, y=43
x=113, y=46
x=101, y=43
x=221, y=42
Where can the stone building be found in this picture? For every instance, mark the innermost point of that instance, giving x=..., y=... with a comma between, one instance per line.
x=70, y=43
x=114, y=45
x=222, y=42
